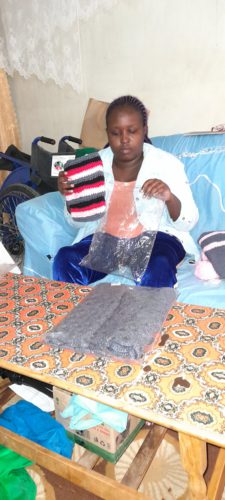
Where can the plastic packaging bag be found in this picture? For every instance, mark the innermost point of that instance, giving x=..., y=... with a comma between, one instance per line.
x=15, y=482
x=123, y=242
x=7, y=264
x=86, y=413
x=29, y=421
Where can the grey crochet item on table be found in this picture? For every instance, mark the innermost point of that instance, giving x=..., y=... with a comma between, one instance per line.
x=114, y=320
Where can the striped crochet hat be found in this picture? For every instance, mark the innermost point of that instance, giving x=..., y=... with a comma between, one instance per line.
x=87, y=201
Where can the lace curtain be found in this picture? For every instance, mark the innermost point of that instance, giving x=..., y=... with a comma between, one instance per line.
x=42, y=38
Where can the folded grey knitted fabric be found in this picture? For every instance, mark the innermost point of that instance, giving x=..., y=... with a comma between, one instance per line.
x=114, y=320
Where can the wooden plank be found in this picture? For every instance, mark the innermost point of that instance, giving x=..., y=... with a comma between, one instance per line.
x=194, y=460
x=4, y=382
x=144, y=457
x=9, y=133
x=217, y=480
x=6, y=395
x=91, y=481
x=88, y=459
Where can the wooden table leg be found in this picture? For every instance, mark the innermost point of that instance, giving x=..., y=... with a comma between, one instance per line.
x=194, y=460
x=217, y=481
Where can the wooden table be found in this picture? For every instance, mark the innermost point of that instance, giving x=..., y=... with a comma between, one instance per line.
x=179, y=386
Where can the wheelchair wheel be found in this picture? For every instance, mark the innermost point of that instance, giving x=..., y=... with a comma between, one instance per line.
x=10, y=236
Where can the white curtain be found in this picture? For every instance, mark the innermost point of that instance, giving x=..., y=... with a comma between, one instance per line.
x=42, y=38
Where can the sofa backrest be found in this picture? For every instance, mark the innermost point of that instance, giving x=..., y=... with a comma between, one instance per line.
x=204, y=159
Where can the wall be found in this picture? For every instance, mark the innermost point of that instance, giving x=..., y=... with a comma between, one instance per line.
x=171, y=54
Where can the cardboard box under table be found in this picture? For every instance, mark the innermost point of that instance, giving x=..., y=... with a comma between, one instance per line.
x=100, y=439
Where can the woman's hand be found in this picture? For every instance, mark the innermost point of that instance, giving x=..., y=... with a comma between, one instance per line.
x=157, y=189
x=64, y=186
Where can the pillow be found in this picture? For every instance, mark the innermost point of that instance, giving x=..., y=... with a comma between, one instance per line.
x=203, y=156
x=206, y=175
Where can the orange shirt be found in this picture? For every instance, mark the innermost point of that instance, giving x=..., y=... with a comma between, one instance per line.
x=121, y=217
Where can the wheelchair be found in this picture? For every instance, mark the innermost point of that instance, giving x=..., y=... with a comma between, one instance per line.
x=30, y=176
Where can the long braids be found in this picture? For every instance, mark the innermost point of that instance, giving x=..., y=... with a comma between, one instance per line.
x=133, y=102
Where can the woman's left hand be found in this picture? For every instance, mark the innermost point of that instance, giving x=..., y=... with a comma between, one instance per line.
x=157, y=189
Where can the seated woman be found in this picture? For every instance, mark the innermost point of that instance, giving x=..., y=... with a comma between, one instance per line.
x=131, y=161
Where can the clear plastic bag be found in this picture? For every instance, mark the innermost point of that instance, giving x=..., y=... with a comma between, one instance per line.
x=7, y=264
x=123, y=242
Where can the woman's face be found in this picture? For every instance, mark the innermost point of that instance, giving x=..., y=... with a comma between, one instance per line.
x=126, y=133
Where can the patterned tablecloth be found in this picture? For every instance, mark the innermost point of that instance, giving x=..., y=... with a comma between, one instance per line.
x=181, y=384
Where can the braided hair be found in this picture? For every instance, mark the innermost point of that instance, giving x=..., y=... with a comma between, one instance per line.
x=133, y=102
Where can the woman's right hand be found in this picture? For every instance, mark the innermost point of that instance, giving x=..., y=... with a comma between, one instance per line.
x=64, y=186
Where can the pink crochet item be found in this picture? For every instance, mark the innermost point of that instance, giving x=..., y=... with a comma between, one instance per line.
x=204, y=270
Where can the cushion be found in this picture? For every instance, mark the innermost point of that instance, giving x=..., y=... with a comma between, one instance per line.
x=204, y=159
x=43, y=225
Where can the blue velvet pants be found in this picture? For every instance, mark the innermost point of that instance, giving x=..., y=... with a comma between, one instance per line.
x=166, y=254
